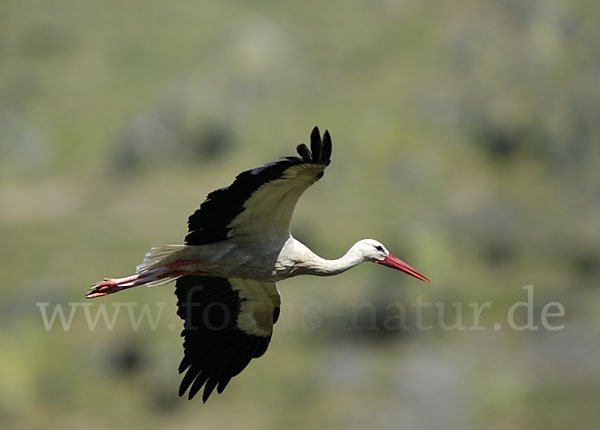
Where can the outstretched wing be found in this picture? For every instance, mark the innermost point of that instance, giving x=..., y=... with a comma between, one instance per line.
x=261, y=201
x=227, y=323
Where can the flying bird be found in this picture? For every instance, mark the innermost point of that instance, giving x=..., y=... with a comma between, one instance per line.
x=237, y=247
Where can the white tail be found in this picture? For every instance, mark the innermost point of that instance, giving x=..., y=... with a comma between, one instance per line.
x=156, y=255
x=155, y=270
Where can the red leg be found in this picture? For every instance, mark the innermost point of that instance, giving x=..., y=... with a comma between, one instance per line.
x=113, y=285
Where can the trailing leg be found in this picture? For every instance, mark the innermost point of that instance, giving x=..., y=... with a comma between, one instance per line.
x=154, y=277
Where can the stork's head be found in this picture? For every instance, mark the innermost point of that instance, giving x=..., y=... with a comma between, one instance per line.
x=376, y=252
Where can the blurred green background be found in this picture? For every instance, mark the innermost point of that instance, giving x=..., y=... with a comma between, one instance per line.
x=466, y=139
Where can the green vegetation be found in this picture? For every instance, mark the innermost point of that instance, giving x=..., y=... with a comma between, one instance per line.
x=466, y=138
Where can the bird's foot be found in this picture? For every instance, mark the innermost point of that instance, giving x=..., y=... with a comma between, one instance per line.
x=111, y=285
x=107, y=286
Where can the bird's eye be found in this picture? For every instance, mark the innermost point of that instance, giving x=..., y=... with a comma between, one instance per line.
x=379, y=248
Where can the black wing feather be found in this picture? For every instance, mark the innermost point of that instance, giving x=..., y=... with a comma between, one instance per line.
x=326, y=153
x=315, y=145
x=215, y=349
x=210, y=222
x=304, y=152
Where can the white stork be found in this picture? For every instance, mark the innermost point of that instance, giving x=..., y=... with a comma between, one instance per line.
x=239, y=244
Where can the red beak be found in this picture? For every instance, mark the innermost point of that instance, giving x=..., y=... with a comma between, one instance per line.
x=395, y=263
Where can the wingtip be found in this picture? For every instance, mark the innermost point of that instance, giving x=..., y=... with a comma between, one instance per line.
x=208, y=389
x=316, y=145
x=193, y=391
x=315, y=138
x=304, y=152
x=222, y=384
x=326, y=152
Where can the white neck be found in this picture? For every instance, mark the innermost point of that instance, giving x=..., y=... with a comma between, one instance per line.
x=312, y=264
